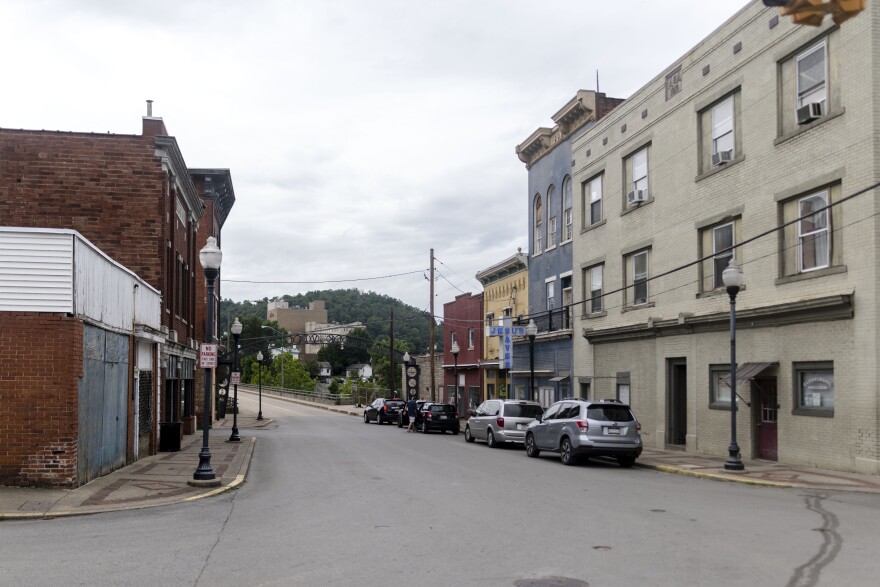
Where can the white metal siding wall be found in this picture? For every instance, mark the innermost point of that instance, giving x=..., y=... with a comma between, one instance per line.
x=36, y=271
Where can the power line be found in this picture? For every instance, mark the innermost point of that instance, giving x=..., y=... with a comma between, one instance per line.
x=326, y=280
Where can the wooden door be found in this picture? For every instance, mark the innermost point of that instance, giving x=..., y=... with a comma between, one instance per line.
x=768, y=408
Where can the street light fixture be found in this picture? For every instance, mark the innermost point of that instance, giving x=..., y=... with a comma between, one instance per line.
x=455, y=350
x=732, y=277
x=210, y=257
x=260, y=376
x=236, y=335
x=532, y=332
x=282, y=351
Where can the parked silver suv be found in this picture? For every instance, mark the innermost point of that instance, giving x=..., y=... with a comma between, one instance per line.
x=580, y=428
x=501, y=420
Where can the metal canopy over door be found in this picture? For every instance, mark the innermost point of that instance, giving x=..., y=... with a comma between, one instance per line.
x=768, y=408
x=103, y=403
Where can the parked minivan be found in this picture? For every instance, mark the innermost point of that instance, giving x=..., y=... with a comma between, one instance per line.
x=498, y=421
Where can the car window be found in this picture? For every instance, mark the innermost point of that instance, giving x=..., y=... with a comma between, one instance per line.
x=566, y=411
x=443, y=408
x=493, y=408
x=552, y=411
x=394, y=404
x=522, y=410
x=610, y=413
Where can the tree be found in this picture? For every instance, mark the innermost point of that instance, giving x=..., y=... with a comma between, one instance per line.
x=380, y=359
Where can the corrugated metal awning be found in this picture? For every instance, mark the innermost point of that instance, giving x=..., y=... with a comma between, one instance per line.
x=556, y=379
x=748, y=371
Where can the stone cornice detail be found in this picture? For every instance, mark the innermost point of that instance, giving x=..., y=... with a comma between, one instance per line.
x=834, y=307
x=172, y=161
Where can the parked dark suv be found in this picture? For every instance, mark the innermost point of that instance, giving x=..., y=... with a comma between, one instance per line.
x=580, y=428
x=383, y=410
x=440, y=417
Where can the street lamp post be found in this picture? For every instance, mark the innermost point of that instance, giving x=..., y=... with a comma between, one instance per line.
x=531, y=332
x=260, y=377
x=455, y=350
x=236, y=335
x=210, y=257
x=733, y=280
x=282, y=352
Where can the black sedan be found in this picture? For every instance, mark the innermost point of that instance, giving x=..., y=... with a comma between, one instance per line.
x=440, y=417
x=383, y=410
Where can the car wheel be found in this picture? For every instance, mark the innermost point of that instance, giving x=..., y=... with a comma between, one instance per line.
x=490, y=439
x=455, y=431
x=468, y=437
x=626, y=462
x=366, y=418
x=379, y=419
x=424, y=427
x=565, y=452
x=531, y=447
x=400, y=421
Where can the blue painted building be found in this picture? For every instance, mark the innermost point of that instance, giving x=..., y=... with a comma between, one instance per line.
x=547, y=156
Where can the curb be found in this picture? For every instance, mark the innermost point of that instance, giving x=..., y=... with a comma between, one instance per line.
x=715, y=476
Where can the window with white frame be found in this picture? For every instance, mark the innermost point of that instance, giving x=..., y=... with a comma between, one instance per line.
x=551, y=294
x=594, y=189
x=640, y=170
x=566, y=208
x=637, y=278
x=490, y=319
x=812, y=73
x=452, y=338
x=551, y=217
x=594, y=274
x=539, y=227
x=814, y=241
x=722, y=127
x=471, y=337
x=722, y=251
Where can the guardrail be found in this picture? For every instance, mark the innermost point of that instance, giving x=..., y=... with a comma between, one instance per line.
x=320, y=397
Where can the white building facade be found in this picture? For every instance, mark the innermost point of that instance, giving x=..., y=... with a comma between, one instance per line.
x=761, y=144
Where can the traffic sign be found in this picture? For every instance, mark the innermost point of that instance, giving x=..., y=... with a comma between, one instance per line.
x=236, y=378
x=207, y=356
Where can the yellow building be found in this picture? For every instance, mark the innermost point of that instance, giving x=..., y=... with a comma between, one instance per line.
x=505, y=295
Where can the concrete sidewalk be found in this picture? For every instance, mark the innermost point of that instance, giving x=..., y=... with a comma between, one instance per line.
x=163, y=478
x=160, y=479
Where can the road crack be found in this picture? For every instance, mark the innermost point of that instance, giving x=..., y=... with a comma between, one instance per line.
x=217, y=541
x=808, y=573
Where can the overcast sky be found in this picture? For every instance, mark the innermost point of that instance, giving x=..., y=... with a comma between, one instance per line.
x=359, y=133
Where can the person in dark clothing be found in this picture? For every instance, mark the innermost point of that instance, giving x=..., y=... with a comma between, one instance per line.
x=412, y=411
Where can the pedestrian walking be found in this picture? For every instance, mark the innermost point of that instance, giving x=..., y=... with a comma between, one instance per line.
x=412, y=410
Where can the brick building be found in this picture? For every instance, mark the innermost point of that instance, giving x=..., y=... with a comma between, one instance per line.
x=737, y=150
x=133, y=199
x=294, y=320
x=463, y=323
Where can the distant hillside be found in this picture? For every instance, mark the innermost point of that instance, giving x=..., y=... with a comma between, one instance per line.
x=411, y=325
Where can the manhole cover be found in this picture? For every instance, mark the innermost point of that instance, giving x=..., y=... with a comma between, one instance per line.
x=551, y=582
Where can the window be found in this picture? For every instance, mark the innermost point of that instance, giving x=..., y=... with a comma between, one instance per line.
x=623, y=393
x=722, y=249
x=594, y=191
x=719, y=386
x=551, y=218
x=637, y=277
x=539, y=227
x=551, y=294
x=452, y=338
x=640, y=170
x=490, y=319
x=470, y=338
x=566, y=208
x=814, y=242
x=814, y=388
x=812, y=73
x=722, y=127
x=593, y=285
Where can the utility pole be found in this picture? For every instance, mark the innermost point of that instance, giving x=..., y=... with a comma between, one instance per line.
x=392, y=376
x=431, y=343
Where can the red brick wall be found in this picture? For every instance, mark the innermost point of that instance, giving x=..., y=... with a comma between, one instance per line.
x=40, y=367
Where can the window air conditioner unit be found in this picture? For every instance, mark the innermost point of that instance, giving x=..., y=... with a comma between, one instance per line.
x=636, y=196
x=809, y=112
x=722, y=157
x=172, y=335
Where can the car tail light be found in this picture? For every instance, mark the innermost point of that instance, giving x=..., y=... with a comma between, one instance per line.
x=583, y=425
x=384, y=408
x=638, y=426
x=500, y=422
x=428, y=415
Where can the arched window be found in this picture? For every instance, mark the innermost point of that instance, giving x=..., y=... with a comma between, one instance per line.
x=551, y=217
x=566, y=209
x=538, y=238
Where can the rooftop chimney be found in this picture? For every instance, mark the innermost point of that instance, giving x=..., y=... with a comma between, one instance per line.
x=150, y=108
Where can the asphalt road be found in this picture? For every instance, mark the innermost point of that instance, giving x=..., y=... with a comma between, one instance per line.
x=332, y=501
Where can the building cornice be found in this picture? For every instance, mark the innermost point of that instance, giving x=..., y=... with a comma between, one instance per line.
x=833, y=307
x=172, y=161
x=511, y=265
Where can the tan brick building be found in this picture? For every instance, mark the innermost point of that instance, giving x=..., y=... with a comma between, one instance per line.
x=763, y=138
x=505, y=295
